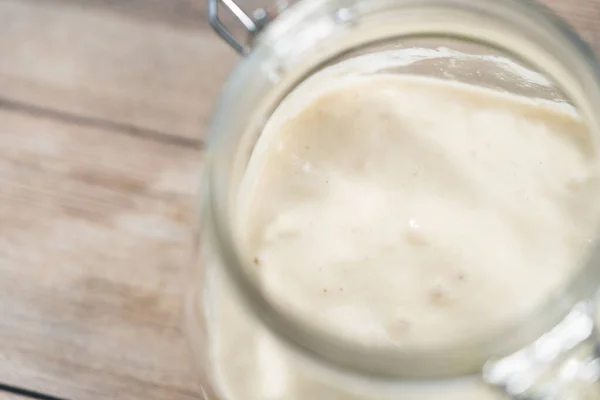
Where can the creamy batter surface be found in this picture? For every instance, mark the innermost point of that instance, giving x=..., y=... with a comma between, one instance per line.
x=403, y=211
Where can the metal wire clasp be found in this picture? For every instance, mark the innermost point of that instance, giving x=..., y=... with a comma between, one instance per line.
x=253, y=24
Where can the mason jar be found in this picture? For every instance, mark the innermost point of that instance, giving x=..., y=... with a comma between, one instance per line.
x=246, y=344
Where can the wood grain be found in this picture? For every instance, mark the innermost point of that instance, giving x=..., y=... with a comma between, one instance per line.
x=151, y=64
x=94, y=233
x=181, y=14
x=105, y=66
x=103, y=104
x=583, y=15
x=8, y=396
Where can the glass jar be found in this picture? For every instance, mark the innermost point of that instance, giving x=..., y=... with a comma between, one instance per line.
x=270, y=353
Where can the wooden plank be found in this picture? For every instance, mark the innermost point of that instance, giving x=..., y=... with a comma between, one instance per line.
x=583, y=15
x=94, y=233
x=187, y=14
x=151, y=64
x=106, y=66
x=10, y=396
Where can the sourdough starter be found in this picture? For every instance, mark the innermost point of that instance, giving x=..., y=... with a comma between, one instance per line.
x=403, y=211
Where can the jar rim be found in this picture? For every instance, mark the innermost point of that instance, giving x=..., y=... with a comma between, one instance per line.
x=571, y=64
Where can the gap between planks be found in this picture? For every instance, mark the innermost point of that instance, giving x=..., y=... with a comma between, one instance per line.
x=115, y=127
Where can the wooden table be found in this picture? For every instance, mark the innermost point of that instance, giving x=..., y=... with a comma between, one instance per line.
x=103, y=105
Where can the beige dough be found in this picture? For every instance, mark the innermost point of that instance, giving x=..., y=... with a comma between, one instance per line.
x=403, y=211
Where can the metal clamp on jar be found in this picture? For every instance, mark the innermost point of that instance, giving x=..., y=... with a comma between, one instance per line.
x=551, y=353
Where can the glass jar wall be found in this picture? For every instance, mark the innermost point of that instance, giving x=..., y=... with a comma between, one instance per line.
x=252, y=346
